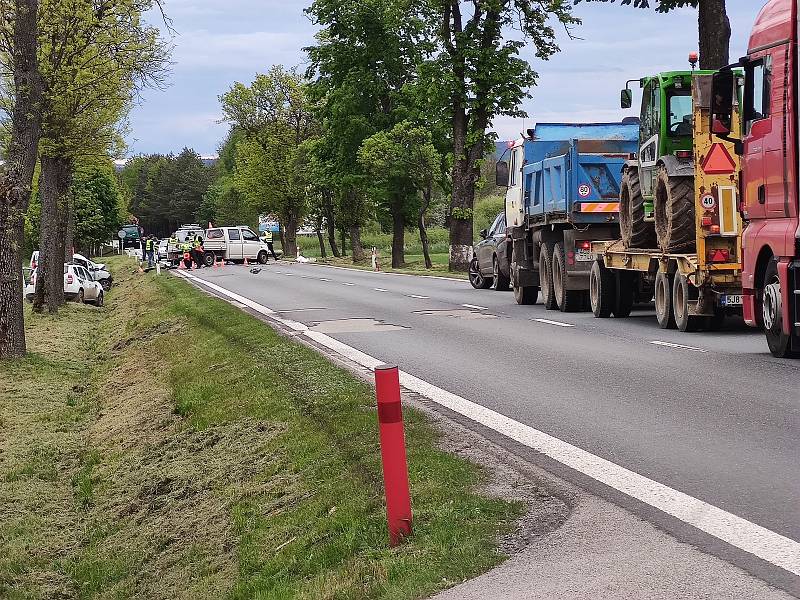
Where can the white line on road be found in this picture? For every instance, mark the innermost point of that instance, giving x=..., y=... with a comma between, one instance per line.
x=557, y=323
x=736, y=531
x=323, y=279
x=346, y=283
x=475, y=306
x=418, y=297
x=681, y=346
x=380, y=290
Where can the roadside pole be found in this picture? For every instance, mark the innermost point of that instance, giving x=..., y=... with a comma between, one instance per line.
x=393, y=452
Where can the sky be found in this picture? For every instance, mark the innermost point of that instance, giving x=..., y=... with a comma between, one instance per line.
x=217, y=43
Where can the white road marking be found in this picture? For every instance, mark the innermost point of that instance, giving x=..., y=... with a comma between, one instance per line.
x=736, y=531
x=323, y=279
x=287, y=274
x=680, y=346
x=557, y=323
x=418, y=297
x=288, y=310
x=380, y=290
x=346, y=283
x=475, y=306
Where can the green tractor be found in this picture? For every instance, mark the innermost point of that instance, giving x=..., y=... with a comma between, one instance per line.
x=656, y=208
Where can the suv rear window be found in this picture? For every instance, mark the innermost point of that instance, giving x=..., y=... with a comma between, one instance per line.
x=214, y=234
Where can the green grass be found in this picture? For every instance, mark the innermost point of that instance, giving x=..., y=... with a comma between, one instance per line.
x=192, y=452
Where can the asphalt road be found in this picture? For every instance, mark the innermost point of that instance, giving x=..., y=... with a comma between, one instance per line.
x=718, y=420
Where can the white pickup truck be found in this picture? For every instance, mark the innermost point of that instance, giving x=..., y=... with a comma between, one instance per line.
x=235, y=244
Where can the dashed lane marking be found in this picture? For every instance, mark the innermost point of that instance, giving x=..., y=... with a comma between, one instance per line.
x=556, y=323
x=728, y=527
x=346, y=283
x=475, y=306
x=380, y=290
x=418, y=297
x=323, y=279
x=679, y=346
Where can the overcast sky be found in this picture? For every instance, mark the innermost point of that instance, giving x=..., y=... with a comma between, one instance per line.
x=218, y=43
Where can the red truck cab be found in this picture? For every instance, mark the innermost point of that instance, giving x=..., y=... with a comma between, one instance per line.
x=769, y=147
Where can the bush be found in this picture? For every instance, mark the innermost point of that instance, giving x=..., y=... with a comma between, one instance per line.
x=486, y=211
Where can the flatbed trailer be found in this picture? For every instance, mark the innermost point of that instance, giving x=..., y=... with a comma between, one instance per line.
x=698, y=288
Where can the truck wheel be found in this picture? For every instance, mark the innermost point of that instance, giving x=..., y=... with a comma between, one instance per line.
x=526, y=295
x=208, y=259
x=780, y=344
x=674, y=212
x=666, y=320
x=636, y=232
x=567, y=300
x=262, y=258
x=681, y=294
x=623, y=303
x=546, y=277
x=499, y=281
x=476, y=279
x=602, y=290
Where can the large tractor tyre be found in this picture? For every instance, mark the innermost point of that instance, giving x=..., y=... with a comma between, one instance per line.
x=682, y=292
x=780, y=343
x=476, y=279
x=567, y=300
x=666, y=320
x=526, y=295
x=546, y=277
x=500, y=282
x=674, y=212
x=602, y=290
x=625, y=285
x=636, y=232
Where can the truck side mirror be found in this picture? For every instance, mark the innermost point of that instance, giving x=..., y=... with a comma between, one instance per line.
x=626, y=98
x=722, y=88
x=501, y=174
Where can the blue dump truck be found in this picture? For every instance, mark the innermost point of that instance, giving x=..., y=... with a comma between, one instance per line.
x=563, y=182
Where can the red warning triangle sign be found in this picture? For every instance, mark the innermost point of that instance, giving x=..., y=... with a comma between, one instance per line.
x=718, y=161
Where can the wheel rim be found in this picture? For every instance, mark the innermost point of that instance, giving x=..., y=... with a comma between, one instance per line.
x=544, y=275
x=557, y=282
x=594, y=289
x=475, y=278
x=680, y=301
x=495, y=273
x=661, y=298
x=771, y=306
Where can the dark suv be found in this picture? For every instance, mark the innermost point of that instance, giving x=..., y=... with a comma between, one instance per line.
x=490, y=264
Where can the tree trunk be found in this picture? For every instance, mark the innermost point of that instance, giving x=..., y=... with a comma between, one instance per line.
x=282, y=236
x=355, y=244
x=342, y=235
x=321, y=238
x=462, y=200
x=398, y=231
x=714, y=30
x=290, y=234
x=423, y=232
x=69, y=228
x=15, y=181
x=327, y=207
x=53, y=189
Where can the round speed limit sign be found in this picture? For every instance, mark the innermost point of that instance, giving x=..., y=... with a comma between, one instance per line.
x=584, y=190
x=708, y=201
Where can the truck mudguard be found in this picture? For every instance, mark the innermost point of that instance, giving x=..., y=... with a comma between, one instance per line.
x=676, y=167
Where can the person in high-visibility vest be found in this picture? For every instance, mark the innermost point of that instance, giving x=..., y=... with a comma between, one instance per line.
x=267, y=239
x=149, y=246
x=197, y=251
x=186, y=248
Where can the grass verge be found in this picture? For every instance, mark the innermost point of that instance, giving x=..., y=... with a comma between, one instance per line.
x=170, y=445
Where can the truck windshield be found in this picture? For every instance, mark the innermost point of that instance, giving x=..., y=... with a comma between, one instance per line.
x=680, y=114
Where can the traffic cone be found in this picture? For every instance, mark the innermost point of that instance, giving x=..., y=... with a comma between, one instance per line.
x=245, y=261
x=181, y=264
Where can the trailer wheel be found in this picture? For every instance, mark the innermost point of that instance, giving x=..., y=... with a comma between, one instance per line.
x=526, y=295
x=499, y=281
x=780, y=343
x=546, y=277
x=623, y=303
x=681, y=294
x=674, y=212
x=636, y=232
x=602, y=290
x=666, y=320
x=567, y=300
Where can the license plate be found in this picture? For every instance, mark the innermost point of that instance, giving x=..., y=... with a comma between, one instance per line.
x=731, y=300
x=583, y=255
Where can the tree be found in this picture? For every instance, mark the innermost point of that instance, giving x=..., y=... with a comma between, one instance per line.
x=97, y=202
x=275, y=116
x=479, y=76
x=714, y=27
x=403, y=160
x=18, y=52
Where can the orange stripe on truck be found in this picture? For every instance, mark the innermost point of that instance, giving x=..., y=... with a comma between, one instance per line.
x=600, y=207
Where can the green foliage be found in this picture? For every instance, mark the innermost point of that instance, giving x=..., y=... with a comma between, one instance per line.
x=662, y=6
x=461, y=213
x=486, y=210
x=96, y=200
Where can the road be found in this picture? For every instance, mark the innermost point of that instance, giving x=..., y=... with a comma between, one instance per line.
x=711, y=415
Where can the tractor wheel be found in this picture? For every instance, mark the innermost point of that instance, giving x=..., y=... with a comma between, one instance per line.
x=780, y=343
x=623, y=303
x=666, y=320
x=567, y=300
x=602, y=290
x=546, y=277
x=636, y=232
x=674, y=212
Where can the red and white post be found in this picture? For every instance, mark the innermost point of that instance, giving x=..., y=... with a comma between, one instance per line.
x=393, y=452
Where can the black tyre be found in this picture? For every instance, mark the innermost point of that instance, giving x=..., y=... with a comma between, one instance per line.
x=636, y=232
x=780, y=344
x=262, y=257
x=100, y=300
x=208, y=259
x=80, y=298
x=106, y=284
x=526, y=295
x=674, y=212
x=567, y=300
x=663, y=292
x=623, y=303
x=682, y=293
x=478, y=281
x=546, y=277
x=602, y=290
x=500, y=282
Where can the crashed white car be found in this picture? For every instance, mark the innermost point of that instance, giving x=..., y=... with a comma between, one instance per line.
x=79, y=285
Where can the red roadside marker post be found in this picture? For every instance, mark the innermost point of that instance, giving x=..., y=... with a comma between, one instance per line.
x=393, y=452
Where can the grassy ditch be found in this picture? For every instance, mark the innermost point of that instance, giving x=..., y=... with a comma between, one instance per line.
x=171, y=446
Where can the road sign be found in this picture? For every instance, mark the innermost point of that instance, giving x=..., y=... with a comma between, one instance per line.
x=708, y=201
x=584, y=190
x=121, y=234
x=718, y=161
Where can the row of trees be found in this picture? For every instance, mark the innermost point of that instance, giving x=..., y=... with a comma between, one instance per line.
x=74, y=68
